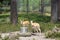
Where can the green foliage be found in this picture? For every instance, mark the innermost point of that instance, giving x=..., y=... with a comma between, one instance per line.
x=48, y=34
x=47, y=9
x=44, y=22
x=52, y=34
x=34, y=5
x=21, y=5
x=7, y=27
x=35, y=17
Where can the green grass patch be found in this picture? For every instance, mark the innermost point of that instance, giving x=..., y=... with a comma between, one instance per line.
x=44, y=22
x=7, y=27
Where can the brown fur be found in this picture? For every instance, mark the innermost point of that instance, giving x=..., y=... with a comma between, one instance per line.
x=25, y=23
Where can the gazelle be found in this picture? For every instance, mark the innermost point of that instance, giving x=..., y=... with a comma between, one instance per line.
x=35, y=26
x=25, y=23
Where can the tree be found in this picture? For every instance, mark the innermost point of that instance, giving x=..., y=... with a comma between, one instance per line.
x=23, y=5
x=27, y=6
x=58, y=5
x=14, y=16
x=42, y=7
x=1, y=6
x=39, y=5
x=54, y=16
x=33, y=6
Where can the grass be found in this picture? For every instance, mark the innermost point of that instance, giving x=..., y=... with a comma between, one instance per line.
x=44, y=22
x=8, y=28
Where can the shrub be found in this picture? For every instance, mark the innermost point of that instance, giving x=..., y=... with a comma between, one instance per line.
x=51, y=34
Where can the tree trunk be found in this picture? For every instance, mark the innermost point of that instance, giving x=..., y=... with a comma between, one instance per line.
x=42, y=7
x=27, y=7
x=1, y=9
x=14, y=16
x=39, y=5
x=53, y=10
x=33, y=7
x=23, y=6
x=58, y=10
x=19, y=5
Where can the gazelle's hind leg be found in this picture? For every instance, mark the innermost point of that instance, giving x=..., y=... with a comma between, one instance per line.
x=39, y=30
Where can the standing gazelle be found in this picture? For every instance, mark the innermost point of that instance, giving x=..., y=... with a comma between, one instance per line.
x=25, y=23
x=35, y=26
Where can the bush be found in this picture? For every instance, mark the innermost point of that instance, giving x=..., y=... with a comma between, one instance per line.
x=51, y=34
